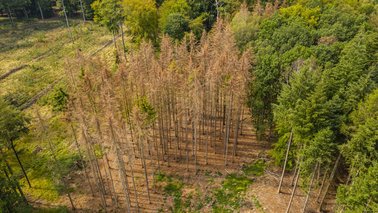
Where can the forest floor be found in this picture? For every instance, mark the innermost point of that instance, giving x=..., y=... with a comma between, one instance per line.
x=247, y=184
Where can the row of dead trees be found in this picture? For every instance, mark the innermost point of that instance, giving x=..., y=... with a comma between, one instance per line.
x=158, y=107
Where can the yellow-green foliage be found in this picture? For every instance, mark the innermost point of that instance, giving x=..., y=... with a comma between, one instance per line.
x=141, y=19
x=172, y=6
x=309, y=15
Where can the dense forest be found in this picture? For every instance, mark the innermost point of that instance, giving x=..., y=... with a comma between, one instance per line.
x=189, y=105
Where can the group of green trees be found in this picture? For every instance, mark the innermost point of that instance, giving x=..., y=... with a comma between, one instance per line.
x=315, y=66
x=44, y=8
x=148, y=19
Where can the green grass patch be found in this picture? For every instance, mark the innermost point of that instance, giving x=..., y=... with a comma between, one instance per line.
x=230, y=195
x=50, y=40
x=44, y=172
x=257, y=204
x=172, y=187
x=256, y=168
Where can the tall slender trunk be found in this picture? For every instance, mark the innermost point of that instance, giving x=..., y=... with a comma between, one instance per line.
x=121, y=167
x=93, y=161
x=187, y=141
x=13, y=188
x=145, y=168
x=195, y=148
x=228, y=124
x=329, y=182
x=322, y=185
x=71, y=201
x=112, y=189
x=236, y=132
x=19, y=162
x=123, y=41
x=115, y=42
x=82, y=10
x=67, y=23
x=241, y=121
x=310, y=187
x=53, y=153
x=284, y=167
x=26, y=13
x=294, y=189
x=17, y=184
x=156, y=146
x=10, y=16
x=295, y=173
x=40, y=10
x=134, y=186
x=177, y=139
x=217, y=8
x=82, y=159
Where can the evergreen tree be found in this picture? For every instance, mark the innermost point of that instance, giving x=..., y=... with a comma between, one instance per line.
x=12, y=126
x=361, y=154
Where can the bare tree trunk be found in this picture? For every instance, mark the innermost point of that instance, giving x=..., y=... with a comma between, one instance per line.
x=115, y=42
x=26, y=13
x=241, y=121
x=121, y=168
x=93, y=167
x=67, y=23
x=322, y=185
x=19, y=162
x=112, y=190
x=217, y=8
x=145, y=169
x=40, y=10
x=294, y=189
x=295, y=171
x=82, y=10
x=71, y=202
x=329, y=182
x=209, y=125
x=14, y=188
x=82, y=159
x=284, y=168
x=228, y=126
x=17, y=184
x=236, y=132
x=187, y=142
x=123, y=40
x=10, y=16
x=195, y=148
x=156, y=145
x=52, y=150
x=309, y=188
x=134, y=186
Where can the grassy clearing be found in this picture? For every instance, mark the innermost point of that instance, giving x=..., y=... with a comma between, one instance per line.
x=223, y=194
x=172, y=187
x=50, y=41
x=44, y=173
x=230, y=196
x=256, y=168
